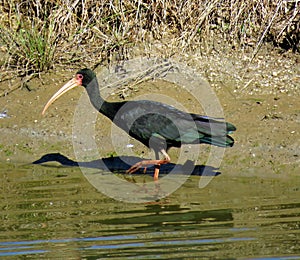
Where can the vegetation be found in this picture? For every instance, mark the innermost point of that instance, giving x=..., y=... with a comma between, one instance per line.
x=38, y=35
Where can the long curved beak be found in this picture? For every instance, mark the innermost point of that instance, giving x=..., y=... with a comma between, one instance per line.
x=68, y=86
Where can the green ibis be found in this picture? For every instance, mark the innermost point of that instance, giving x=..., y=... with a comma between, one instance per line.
x=158, y=126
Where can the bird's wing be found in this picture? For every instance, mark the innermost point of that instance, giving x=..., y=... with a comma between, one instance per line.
x=146, y=119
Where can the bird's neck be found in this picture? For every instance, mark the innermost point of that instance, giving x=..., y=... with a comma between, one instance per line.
x=108, y=109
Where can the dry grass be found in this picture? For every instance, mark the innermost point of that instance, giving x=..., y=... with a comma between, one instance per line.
x=39, y=35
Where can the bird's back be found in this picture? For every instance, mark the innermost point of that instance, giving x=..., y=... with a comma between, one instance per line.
x=144, y=119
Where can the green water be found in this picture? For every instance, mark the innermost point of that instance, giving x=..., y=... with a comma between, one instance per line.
x=55, y=213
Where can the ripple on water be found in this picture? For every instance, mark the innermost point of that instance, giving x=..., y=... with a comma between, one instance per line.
x=53, y=212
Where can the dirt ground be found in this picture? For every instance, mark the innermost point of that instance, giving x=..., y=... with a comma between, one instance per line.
x=260, y=97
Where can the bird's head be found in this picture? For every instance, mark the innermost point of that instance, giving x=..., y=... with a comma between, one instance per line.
x=82, y=78
x=85, y=76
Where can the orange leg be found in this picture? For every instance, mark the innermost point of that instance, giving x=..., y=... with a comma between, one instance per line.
x=156, y=172
x=157, y=164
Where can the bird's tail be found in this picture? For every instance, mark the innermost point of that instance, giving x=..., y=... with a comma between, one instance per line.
x=214, y=131
x=221, y=141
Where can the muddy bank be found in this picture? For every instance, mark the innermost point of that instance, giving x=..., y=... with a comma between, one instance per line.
x=261, y=99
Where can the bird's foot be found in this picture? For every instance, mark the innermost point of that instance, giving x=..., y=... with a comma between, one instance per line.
x=144, y=163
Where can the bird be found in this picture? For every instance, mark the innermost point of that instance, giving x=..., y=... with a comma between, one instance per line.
x=157, y=125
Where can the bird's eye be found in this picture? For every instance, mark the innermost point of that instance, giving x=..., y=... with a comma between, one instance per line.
x=79, y=76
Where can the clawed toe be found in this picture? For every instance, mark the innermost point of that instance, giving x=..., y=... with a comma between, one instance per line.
x=157, y=164
x=134, y=168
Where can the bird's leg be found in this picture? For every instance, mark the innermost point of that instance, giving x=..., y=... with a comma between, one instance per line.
x=156, y=162
x=156, y=166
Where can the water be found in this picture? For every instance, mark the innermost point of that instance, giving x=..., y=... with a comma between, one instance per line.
x=54, y=212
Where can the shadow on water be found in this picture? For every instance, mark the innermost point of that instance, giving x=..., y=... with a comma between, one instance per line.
x=120, y=164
